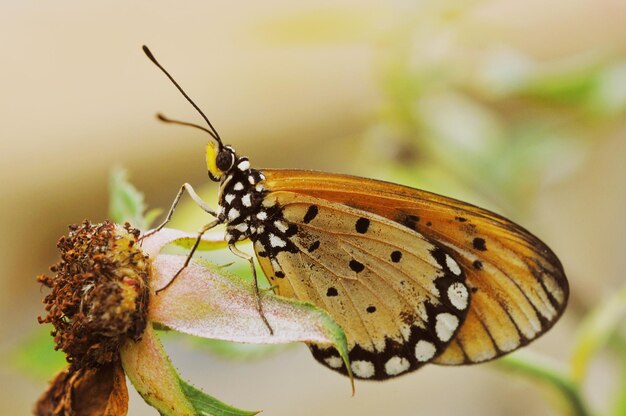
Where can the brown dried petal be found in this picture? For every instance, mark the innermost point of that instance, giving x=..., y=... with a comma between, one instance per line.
x=92, y=392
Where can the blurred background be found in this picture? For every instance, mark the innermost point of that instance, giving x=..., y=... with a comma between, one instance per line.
x=517, y=106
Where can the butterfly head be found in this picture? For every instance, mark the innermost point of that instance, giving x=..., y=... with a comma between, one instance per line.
x=219, y=159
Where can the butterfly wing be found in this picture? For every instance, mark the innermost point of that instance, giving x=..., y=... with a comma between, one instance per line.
x=517, y=286
x=399, y=297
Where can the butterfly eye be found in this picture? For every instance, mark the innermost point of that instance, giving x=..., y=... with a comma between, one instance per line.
x=225, y=159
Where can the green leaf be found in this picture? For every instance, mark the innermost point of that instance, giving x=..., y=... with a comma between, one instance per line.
x=126, y=203
x=205, y=244
x=149, y=369
x=207, y=405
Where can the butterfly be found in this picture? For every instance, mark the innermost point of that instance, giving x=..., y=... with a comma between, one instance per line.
x=412, y=277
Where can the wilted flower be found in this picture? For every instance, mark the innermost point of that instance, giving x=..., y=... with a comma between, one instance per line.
x=102, y=305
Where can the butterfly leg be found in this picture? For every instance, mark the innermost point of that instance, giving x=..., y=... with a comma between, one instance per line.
x=250, y=259
x=196, y=198
x=204, y=229
x=272, y=288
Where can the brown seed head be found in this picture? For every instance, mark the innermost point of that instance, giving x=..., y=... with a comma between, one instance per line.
x=99, y=294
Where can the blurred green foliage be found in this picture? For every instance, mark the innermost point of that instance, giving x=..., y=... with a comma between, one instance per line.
x=35, y=355
x=126, y=203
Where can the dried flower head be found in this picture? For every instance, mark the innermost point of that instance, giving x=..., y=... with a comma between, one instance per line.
x=99, y=294
x=98, y=306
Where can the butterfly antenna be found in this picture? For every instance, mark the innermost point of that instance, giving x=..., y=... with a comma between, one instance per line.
x=213, y=131
x=164, y=119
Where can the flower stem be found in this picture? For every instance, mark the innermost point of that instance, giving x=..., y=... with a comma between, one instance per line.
x=543, y=369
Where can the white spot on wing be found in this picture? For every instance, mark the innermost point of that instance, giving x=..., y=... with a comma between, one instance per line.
x=424, y=350
x=446, y=325
x=334, y=361
x=233, y=214
x=229, y=198
x=277, y=241
x=243, y=227
x=251, y=180
x=259, y=187
x=244, y=165
x=281, y=226
x=238, y=186
x=453, y=265
x=245, y=200
x=363, y=369
x=457, y=293
x=262, y=215
x=396, y=365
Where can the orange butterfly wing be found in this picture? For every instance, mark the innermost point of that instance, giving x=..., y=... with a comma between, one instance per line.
x=519, y=288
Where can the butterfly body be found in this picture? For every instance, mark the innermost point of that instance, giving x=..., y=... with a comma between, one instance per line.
x=244, y=209
x=412, y=277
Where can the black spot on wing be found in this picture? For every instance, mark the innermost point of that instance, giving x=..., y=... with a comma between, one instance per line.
x=361, y=225
x=314, y=246
x=331, y=292
x=356, y=266
x=478, y=265
x=371, y=309
x=396, y=256
x=409, y=221
x=479, y=244
x=311, y=213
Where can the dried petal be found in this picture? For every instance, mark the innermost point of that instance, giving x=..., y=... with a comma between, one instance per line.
x=86, y=392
